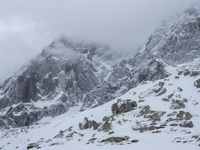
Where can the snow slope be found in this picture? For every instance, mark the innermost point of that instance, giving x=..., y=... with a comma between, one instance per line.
x=175, y=137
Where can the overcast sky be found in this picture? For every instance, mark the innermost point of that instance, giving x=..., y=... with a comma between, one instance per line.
x=26, y=26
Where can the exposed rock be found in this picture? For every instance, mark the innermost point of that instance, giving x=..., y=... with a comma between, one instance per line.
x=150, y=114
x=154, y=115
x=33, y=146
x=168, y=98
x=186, y=124
x=26, y=88
x=49, y=84
x=106, y=126
x=197, y=83
x=71, y=135
x=100, y=95
x=3, y=125
x=115, y=139
x=177, y=104
x=91, y=140
x=144, y=110
x=5, y=102
x=55, y=110
x=123, y=106
x=106, y=118
x=87, y=124
x=184, y=115
x=164, y=90
x=24, y=115
x=148, y=128
x=134, y=141
x=158, y=87
x=60, y=135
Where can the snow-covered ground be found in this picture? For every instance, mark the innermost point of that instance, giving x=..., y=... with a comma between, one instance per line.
x=45, y=133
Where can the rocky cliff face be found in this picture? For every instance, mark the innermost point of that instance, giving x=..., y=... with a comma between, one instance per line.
x=58, y=78
x=69, y=73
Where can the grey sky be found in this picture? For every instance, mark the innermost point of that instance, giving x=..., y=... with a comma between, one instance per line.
x=28, y=25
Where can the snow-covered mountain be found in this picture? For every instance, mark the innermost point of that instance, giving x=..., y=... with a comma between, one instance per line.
x=76, y=94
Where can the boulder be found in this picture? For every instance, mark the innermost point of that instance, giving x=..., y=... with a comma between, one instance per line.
x=197, y=83
x=123, y=107
x=106, y=126
x=87, y=124
x=106, y=118
x=148, y=128
x=177, y=104
x=152, y=115
x=115, y=139
x=144, y=110
x=33, y=146
x=186, y=124
x=184, y=115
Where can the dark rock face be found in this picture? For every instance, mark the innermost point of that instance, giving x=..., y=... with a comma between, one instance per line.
x=26, y=89
x=85, y=76
x=178, y=48
x=123, y=107
x=197, y=83
x=115, y=139
x=27, y=114
x=23, y=115
x=26, y=119
x=154, y=71
x=33, y=146
x=177, y=104
x=82, y=72
x=49, y=84
x=3, y=124
x=52, y=76
x=152, y=115
x=5, y=102
x=120, y=71
x=149, y=128
x=106, y=126
x=184, y=115
x=106, y=118
x=144, y=110
x=87, y=124
x=98, y=96
x=186, y=124
x=55, y=110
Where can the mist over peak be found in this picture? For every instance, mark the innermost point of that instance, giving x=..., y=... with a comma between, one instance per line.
x=27, y=27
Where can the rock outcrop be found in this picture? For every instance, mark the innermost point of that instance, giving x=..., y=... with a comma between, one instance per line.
x=123, y=106
x=87, y=124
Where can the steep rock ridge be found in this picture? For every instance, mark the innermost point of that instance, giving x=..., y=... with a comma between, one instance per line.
x=53, y=81
x=172, y=44
x=182, y=42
